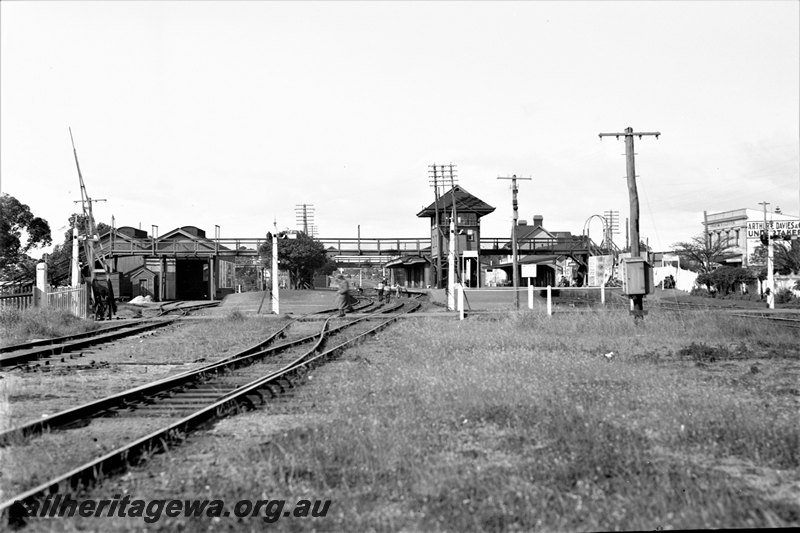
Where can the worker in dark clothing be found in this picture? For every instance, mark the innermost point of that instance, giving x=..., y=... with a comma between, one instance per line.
x=343, y=295
x=380, y=288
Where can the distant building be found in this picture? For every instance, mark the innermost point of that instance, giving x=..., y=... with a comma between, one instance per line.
x=742, y=229
x=555, y=254
x=182, y=264
x=469, y=209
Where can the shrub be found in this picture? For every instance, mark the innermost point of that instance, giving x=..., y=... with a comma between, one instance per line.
x=699, y=291
x=21, y=325
x=784, y=296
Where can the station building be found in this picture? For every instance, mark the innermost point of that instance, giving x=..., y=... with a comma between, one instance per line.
x=741, y=228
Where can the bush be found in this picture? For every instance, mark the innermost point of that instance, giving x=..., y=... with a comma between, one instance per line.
x=750, y=296
x=784, y=296
x=22, y=325
x=699, y=291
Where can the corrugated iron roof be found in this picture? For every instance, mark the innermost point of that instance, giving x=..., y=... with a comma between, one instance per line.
x=465, y=202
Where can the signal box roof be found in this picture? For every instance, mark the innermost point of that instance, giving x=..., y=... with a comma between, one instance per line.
x=465, y=203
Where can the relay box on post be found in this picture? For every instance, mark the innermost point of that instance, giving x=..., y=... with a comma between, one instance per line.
x=637, y=276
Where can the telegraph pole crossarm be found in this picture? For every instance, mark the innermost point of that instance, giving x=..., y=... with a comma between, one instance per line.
x=628, y=134
x=514, y=260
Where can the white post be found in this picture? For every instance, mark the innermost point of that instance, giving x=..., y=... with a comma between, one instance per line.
x=603, y=293
x=460, y=289
x=451, y=269
x=549, y=301
x=530, y=294
x=40, y=292
x=770, y=275
x=276, y=307
x=76, y=272
x=631, y=300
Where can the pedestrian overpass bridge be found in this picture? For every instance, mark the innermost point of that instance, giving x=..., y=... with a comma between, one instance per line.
x=342, y=250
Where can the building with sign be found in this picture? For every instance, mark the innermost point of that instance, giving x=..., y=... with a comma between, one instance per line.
x=742, y=228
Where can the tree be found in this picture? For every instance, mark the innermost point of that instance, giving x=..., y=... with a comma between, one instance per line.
x=702, y=256
x=727, y=278
x=301, y=257
x=16, y=218
x=787, y=258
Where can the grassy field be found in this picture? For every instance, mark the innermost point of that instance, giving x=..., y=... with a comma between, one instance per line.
x=19, y=326
x=577, y=422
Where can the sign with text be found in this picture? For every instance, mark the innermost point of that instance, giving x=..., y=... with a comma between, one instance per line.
x=601, y=268
x=776, y=228
x=528, y=271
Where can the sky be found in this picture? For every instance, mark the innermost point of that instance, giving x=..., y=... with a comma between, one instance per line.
x=232, y=114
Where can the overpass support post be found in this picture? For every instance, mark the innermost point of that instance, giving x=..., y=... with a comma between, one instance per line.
x=211, y=281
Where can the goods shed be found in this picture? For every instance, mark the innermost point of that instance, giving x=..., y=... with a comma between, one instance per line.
x=182, y=264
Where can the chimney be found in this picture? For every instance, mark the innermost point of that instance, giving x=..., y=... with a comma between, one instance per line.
x=538, y=220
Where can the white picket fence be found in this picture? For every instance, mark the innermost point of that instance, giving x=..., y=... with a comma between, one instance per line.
x=74, y=300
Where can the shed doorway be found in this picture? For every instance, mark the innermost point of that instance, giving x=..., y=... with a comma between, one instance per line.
x=189, y=284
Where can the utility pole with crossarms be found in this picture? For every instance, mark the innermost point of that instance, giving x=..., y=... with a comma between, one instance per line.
x=638, y=299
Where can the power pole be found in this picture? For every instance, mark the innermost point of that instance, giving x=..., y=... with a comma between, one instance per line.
x=304, y=216
x=770, y=252
x=514, y=207
x=611, y=229
x=638, y=299
x=627, y=233
x=438, y=178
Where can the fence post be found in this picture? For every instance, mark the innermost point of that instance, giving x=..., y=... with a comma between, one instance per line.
x=530, y=295
x=603, y=293
x=40, y=291
x=460, y=290
x=549, y=301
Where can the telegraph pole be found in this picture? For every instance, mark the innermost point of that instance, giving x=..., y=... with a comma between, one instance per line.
x=514, y=205
x=770, y=252
x=638, y=299
x=438, y=175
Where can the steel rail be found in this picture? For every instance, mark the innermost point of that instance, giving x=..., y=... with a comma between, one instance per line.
x=58, y=349
x=57, y=340
x=68, y=343
x=138, y=394
x=159, y=440
x=142, y=393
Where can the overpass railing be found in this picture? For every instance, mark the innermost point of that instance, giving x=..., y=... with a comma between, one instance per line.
x=388, y=246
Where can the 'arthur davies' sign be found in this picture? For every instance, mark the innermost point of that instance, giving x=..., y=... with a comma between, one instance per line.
x=777, y=228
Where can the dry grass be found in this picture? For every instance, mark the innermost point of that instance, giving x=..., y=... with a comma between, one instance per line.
x=520, y=423
x=524, y=423
x=18, y=326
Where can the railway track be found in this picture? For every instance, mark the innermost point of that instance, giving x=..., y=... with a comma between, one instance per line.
x=193, y=399
x=21, y=354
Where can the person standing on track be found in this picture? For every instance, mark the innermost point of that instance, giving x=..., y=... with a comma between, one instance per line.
x=343, y=295
x=381, y=287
